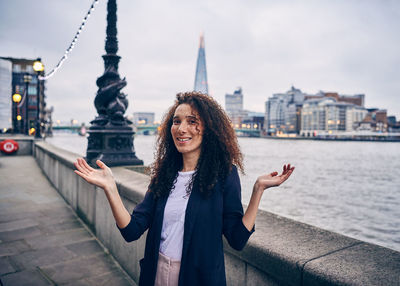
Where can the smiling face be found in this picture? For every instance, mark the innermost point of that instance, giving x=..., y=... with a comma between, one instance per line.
x=187, y=130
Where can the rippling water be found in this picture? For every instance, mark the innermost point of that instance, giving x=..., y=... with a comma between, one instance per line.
x=351, y=188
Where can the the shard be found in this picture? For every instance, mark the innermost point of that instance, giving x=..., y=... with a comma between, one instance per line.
x=200, y=82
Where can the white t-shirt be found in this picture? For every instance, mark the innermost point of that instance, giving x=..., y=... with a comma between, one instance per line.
x=174, y=218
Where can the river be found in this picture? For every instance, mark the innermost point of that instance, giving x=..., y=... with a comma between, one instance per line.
x=352, y=188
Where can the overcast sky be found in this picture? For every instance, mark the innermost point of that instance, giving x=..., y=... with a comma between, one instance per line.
x=265, y=47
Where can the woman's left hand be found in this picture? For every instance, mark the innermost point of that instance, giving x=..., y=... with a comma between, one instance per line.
x=273, y=179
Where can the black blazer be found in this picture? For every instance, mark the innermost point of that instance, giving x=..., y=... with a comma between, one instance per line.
x=206, y=220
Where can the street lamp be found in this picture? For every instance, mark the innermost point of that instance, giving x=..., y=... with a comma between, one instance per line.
x=38, y=67
x=111, y=134
x=17, y=99
x=27, y=80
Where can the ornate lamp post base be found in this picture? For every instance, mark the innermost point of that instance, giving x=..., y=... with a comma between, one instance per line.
x=113, y=146
x=111, y=136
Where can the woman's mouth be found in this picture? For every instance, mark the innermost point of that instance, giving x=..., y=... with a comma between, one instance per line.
x=183, y=139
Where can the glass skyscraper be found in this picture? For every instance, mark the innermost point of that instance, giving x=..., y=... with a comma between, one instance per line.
x=200, y=82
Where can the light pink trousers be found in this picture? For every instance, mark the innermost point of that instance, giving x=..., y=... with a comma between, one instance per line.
x=167, y=271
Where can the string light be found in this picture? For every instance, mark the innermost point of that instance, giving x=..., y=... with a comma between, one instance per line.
x=21, y=103
x=72, y=45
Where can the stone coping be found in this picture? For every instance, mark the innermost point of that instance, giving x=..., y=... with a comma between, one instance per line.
x=4, y=136
x=290, y=252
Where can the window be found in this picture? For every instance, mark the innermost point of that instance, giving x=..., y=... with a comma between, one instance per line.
x=32, y=101
x=32, y=90
x=16, y=68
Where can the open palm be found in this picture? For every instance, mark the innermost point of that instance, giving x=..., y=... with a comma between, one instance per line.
x=273, y=179
x=102, y=177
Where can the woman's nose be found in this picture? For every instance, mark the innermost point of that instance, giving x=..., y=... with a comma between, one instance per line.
x=182, y=127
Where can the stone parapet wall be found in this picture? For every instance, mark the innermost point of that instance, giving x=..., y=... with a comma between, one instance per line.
x=280, y=252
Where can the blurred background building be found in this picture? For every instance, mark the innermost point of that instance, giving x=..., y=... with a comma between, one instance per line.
x=297, y=113
x=20, y=92
x=143, y=118
x=5, y=95
x=240, y=117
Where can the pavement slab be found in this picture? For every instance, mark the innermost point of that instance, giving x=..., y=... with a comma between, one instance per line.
x=102, y=280
x=79, y=268
x=6, y=266
x=42, y=241
x=18, y=224
x=25, y=278
x=13, y=247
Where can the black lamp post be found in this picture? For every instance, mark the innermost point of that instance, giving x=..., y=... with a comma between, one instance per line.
x=110, y=135
x=38, y=67
x=27, y=80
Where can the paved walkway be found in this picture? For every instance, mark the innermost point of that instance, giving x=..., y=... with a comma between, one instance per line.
x=42, y=242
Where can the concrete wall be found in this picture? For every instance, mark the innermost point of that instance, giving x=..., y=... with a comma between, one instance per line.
x=280, y=252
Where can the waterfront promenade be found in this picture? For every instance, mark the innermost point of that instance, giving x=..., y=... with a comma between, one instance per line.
x=42, y=241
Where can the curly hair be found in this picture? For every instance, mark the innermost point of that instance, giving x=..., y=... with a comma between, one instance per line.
x=219, y=148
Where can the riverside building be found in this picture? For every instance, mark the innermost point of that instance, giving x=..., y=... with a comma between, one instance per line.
x=282, y=112
x=241, y=118
x=326, y=116
x=234, y=107
x=24, y=83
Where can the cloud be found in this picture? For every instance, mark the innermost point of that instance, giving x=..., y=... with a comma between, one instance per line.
x=264, y=46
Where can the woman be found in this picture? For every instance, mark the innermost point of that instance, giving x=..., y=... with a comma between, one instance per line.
x=193, y=198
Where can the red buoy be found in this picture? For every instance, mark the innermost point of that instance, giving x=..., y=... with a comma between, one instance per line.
x=8, y=146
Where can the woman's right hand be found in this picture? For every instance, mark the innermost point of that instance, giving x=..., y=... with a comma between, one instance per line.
x=102, y=177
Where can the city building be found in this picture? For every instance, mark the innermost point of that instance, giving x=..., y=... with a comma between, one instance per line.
x=375, y=120
x=393, y=124
x=143, y=118
x=200, y=82
x=5, y=96
x=22, y=95
x=327, y=116
x=234, y=102
x=282, y=112
x=234, y=107
x=391, y=120
x=253, y=120
x=48, y=121
x=357, y=99
x=241, y=118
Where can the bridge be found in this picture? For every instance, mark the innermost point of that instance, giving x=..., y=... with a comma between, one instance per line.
x=248, y=132
x=140, y=129
x=153, y=129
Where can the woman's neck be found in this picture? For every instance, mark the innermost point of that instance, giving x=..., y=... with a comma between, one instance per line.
x=190, y=162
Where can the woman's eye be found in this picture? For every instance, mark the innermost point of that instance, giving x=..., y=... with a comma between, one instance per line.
x=192, y=122
x=176, y=121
